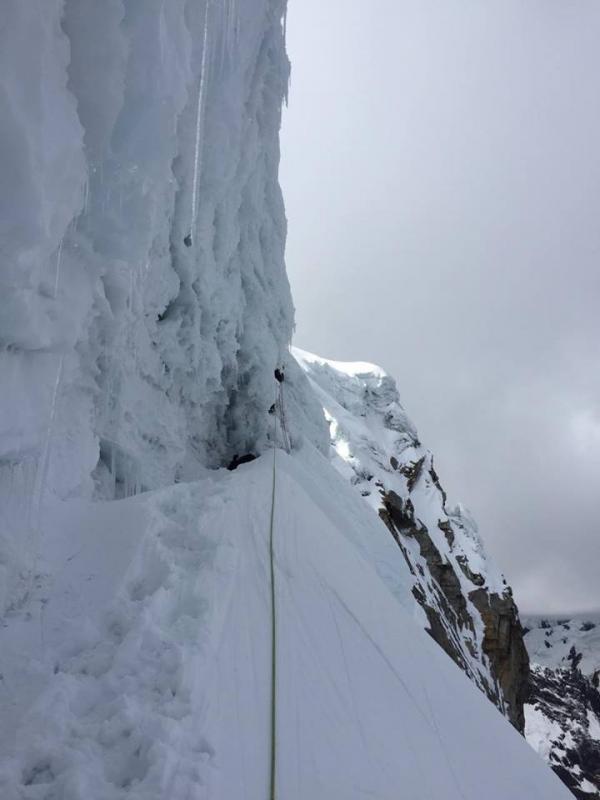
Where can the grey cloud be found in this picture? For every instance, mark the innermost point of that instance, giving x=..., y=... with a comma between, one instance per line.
x=441, y=170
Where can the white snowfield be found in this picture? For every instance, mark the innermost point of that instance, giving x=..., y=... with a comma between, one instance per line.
x=141, y=666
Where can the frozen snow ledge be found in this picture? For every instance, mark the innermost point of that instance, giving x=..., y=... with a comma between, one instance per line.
x=143, y=297
x=141, y=668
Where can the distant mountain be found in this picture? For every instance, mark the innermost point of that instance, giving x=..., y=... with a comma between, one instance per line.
x=562, y=715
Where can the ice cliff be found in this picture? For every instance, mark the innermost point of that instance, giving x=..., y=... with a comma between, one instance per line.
x=144, y=301
x=172, y=629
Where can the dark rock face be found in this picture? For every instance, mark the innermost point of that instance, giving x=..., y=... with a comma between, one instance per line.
x=504, y=646
x=570, y=704
x=442, y=596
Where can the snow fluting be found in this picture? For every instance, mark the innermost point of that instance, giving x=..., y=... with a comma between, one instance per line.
x=144, y=310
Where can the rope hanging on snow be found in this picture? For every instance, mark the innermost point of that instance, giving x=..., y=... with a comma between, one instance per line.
x=273, y=769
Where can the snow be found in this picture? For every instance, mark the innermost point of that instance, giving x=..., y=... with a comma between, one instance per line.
x=588, y=786
x=540, y=731
x=593, y=725
x=140, y=667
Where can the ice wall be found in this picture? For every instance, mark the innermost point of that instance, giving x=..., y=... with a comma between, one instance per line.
x=144, y=302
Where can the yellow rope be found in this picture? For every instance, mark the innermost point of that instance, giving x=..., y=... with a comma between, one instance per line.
x=272, y=793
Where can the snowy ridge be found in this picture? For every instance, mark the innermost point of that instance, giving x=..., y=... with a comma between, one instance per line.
x=376, y=447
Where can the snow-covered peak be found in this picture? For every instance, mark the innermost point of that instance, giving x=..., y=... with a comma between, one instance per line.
x=141, y=668
x=376, y=444
x=465, y=598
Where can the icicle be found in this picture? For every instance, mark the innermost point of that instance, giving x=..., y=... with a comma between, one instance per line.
x=57, y=271
x=41, y=475
x=199, y=128
x=49, y=431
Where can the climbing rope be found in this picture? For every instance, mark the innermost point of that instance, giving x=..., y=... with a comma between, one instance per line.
x=273, y=773
x=285, y=435
x=279, y=414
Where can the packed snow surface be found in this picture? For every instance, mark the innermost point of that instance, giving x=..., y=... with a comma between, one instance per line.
x=141, y=665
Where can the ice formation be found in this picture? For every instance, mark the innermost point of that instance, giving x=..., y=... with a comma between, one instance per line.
x=129, y=359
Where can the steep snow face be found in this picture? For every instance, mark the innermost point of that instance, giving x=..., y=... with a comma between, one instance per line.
x=469, y=608
x=141, y=665
x=144, y=302
x=562, y=716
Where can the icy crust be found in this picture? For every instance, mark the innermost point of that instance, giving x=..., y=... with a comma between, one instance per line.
x=140, y=667
x=130, y=360
x=376, y=447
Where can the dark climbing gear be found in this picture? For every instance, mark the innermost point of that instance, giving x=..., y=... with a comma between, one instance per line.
x=188, y=240
x=279, y=375
x=237, y=460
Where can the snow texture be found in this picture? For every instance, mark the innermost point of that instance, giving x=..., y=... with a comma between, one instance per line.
x=141, y=666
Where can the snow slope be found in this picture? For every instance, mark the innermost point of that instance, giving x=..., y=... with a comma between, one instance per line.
x=141, y=667
x=469, y=607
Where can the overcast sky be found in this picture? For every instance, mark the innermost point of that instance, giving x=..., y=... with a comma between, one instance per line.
x=441, y=171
